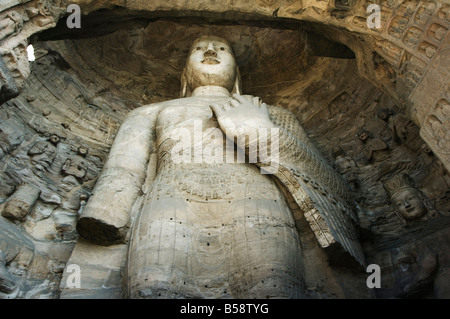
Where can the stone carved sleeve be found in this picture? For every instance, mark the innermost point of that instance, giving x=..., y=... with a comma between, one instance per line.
x=319, y=191
x=106, y=217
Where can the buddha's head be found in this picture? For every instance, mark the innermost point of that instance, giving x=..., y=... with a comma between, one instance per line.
x=363, y=134
x=211, y=62
x=384, y=114
x=407, y=201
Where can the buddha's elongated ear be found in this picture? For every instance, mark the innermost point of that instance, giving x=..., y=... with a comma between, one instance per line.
x=183, y=91
x=237, y=89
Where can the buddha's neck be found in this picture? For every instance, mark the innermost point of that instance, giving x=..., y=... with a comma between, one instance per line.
x=211, y=90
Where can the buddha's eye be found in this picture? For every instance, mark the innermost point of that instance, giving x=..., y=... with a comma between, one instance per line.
x=198, y=48
x=222, y=49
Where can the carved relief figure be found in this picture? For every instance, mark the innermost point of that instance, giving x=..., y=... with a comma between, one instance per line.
x=10, y=24
x=8, y=282
x=408, y=202
x=10, y=137
x=212, y=225
x=381, y=123
x=16, y=255
x=403, y=130
x=346, y=166
x=81, y=166
x=43, y=153
x=374, y=149
x=75, y=166
x=415, y=267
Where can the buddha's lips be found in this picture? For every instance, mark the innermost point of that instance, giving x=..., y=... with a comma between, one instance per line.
x=411, y=209
x=210, y=61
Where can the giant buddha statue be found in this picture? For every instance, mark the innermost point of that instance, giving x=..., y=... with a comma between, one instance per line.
x=203, y=189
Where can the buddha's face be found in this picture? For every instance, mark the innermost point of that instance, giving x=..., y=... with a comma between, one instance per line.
x=363, y=136
x=54, y=139
x=383, y=115
x=409, y=204
x=83, y=150
x=211, y=62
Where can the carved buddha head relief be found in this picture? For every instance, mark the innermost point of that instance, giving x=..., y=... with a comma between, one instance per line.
x=83, y=150
x=409, y=204
x=211, y=62
x=384, y=114
x=363, y=134
x=54, y=139
x=407, y=201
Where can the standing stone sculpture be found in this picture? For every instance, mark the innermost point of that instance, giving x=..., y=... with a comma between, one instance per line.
x=197, y=187
x=403, y=130
x=346, y=166
x=374, y=149
x=42, y=154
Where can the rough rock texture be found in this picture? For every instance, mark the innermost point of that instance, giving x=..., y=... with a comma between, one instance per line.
x=59, y=117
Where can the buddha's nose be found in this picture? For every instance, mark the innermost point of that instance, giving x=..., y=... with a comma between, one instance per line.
x=210, y=53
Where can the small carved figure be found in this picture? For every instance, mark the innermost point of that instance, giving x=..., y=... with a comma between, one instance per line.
x=82, y=166
x=11, y=24
x=54, y=139
x=380, y=125
x=10, y=138
x=415, y=266
x=8, y=282
x=42, y=154
x=7, y=186
x=83, y=150
x=5, y=146
x=403, y=130
x=346, y=166
x=17, y=252
x=75, y=166
x=373, y=148
x=384, y=113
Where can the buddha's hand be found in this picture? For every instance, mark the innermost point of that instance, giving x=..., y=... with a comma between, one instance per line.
x=243, y=116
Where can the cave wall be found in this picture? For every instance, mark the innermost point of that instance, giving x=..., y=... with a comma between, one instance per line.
x=60, y=114
x=405, y=58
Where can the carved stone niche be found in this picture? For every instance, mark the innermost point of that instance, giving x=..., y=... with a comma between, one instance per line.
x=435, y=130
